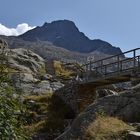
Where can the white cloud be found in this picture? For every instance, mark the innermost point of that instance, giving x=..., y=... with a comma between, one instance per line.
x=20, y=29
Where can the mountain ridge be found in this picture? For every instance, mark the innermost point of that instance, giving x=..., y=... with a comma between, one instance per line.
x=65, y=34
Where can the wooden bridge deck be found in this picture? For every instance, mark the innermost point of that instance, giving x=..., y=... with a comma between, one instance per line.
x=115, y=69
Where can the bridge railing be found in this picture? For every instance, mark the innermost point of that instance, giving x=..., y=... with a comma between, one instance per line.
x=115, y=64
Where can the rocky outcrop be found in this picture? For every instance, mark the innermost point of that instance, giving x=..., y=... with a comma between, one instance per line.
x=28, y=72
x=133, y=135
x=26, y=61
x=125, y=106
x=68, y=95
x=105, y=92
x=3, y=46
x=45, y=49
x=76, y=96
x=30, y=85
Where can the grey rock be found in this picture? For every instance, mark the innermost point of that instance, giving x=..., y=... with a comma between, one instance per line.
x=125, y=106
x=47, y=77
x=68, y=95
x=3, y=46
x=26, y=61
x=28, y=84
x=42, y=88
x=105, y=92
x=29, y=66
x=133, y=135
x=56, y=85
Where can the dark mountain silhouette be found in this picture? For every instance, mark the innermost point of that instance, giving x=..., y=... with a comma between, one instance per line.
x=65, y=34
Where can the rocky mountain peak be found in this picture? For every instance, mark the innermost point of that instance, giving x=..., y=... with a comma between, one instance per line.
x=61, y=24
x=65, y=34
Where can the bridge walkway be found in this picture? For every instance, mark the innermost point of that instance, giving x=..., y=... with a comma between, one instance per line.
x=114, y=69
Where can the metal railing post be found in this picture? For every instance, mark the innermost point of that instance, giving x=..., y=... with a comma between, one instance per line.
x=134, y=56
x=101, y=66
x=90, y=67
x=118, y=60
x=105, y=69
x=138, y=61
x=121, y=66
x=86, y=67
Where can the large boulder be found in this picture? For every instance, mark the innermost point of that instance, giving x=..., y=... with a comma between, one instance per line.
x=28, y=84
x=28, y=72
x=125, y=106
x=26, y=61
x=3, y=46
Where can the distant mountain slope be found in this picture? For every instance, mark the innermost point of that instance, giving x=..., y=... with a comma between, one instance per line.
x=46, y=49
x=65, y=34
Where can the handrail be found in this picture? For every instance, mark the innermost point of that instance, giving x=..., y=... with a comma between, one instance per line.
x=116, y=62
x=89, y=63
x=119, y=65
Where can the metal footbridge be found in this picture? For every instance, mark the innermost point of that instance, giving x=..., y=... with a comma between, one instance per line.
x=114, y=69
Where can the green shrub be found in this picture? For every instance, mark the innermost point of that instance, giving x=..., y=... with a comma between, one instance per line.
x=11, y=107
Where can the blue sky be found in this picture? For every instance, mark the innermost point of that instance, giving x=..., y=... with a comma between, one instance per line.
x=115, y=21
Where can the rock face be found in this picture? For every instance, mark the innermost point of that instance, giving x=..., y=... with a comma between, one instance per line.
x=65, y=34
x=29, y=84
x=45, y=49
x=3, y=45
x=26, y=70
x=134, y=135
x=125, y=106
x=105, y=92
x=77, y=97
x=26, y=61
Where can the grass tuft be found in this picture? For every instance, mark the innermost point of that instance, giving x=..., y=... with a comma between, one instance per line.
x=60, y=71
x=107, y=128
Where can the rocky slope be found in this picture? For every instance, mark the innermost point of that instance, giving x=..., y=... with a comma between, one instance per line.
x=24, y=60
x=58, y=108
x=28, y=71
x=46, y=50
x=124, y=106
x=65, y=34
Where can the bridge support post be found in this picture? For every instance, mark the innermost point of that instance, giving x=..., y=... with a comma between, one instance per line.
x=90, y=66
x=86, y=94
x=135, y=78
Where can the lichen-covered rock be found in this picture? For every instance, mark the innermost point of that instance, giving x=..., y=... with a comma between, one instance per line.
x=26, y=61
x=30, y=85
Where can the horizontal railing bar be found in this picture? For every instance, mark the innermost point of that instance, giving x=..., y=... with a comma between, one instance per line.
x=109, y=73
x=106, y=65
x=111, y=57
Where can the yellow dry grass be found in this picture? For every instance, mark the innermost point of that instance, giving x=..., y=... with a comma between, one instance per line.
x=107, y=128
x=60, y=71
x=39, y=98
